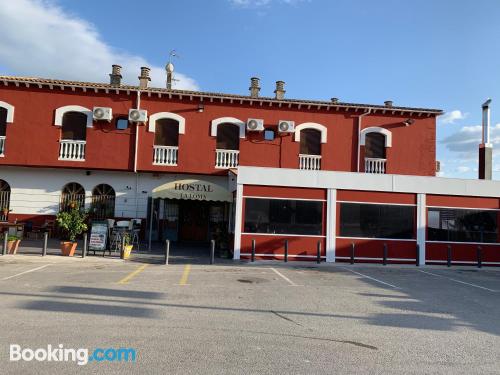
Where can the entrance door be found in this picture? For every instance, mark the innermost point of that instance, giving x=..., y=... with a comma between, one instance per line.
x=193, y=221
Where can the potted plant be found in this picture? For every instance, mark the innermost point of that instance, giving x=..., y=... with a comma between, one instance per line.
x=72, y=224
x=127, y=247
x=13, y=244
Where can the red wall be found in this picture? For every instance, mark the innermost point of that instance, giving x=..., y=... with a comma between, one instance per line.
x=374, y=248
x=413, y=150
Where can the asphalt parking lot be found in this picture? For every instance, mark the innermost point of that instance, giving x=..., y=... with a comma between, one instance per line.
x=241, y=318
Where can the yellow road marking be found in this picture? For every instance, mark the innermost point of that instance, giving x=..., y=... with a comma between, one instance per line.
x=132, y=274
x=185, y=274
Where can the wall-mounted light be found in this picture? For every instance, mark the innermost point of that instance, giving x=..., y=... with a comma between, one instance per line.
x=409, y=122
x=201, y=107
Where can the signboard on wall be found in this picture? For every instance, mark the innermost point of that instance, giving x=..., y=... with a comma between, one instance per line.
x=98, y=236
x=194, y=190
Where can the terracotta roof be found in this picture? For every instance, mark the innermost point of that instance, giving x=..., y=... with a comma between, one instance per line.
x=212, y=95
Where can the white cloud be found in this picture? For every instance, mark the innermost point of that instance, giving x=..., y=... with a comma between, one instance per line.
x=465, y=142
x=452, y=117
x=463, y=169
x=263, y=3
x=39, y=38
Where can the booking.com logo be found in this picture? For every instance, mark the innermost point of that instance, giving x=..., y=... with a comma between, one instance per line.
x=80, y=356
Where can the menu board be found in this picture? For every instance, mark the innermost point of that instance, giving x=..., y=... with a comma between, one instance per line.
x=98, y=236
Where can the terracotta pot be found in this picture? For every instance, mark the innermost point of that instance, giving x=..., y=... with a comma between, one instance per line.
x=12, y=246
x=68, y=248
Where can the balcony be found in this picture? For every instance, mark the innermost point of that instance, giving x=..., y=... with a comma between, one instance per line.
x=373, y=165
x=72, y=150
x=165, y=155
x=225, y=159
x=310, y=162
x=2, y=145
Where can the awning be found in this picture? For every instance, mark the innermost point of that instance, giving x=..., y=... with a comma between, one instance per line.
x=193, y=189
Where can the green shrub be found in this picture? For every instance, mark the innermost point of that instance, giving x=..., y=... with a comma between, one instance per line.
x=72, y=223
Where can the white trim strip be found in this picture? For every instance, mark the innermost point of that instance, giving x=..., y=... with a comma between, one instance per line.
x=291, y=199
x=377, y=239
x=284, y=277
x=368, y=258
x=458, y=281
x=25, y=272
x=466, y=208
x=380, y=203
x=465, y=243
x=282, y=255
x=371, y=278
x=473, y=262
x=282, y=235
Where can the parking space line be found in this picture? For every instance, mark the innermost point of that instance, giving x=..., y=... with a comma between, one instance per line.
x=284, y=277
x=28, y=271
x=131, y=275
x=458, y=281
x=371, y=278
x=185, y=275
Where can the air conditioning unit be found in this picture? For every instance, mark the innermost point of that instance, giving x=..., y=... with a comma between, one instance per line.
x=255, y=125
x=102, y=113
x=285, y=126
x=138, y=115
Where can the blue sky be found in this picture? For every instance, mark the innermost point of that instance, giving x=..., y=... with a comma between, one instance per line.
x=440, y=54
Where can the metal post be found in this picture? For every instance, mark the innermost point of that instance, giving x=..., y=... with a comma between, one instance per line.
x=384, y=260
x=448, y=256
x=167, y=250
x=5, y=238
x=122, y=250
x=286, y=251
x=352, y=253
x=212, y=251
x=479, y=257
x=253, y=251
x=318, y=252
x=418, y=256
x=84, y=251
x=45, y=240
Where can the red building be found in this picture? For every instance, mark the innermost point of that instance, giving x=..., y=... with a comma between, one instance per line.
x=203, y=157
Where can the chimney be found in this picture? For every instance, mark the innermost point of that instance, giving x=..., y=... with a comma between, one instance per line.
x=115, y=78
x=388, y=103
x=170, y=74
x=144, y=77
x=334, y=100
x=280, y=90
x=485, y=148
x=254, y=87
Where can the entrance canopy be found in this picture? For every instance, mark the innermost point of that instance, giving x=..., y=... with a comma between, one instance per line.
x=193, y=189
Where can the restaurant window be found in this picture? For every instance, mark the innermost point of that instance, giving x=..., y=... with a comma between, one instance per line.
x=375, y=146
x=167, y=132
x=74, y=126
x=228, y=137
x=103, y=202
x=462, y=225
x=283, y=216
x=4, y=200
x=73, y=195
x=310, y=142
x=377, y=221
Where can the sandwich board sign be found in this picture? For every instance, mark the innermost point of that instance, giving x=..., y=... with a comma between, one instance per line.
x=98, y=236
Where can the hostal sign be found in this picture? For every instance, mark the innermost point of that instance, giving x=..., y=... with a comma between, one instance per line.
x=194, y=190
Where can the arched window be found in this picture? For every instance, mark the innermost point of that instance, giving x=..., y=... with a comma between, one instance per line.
x=375, y=146
x=310, y=142
x=3, y=129
x=74, y=126
x=167, y=132
x=73, y=195
x=103, y=202
x=4, y=200
x=228, y=137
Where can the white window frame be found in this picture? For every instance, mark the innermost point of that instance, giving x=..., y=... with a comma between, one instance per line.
x=376, y=129
x=73, y=108
x=166, y=115
x=311, y=125
x=230, y=120
x=10, y=111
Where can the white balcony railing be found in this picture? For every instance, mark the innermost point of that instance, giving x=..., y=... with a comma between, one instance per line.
x=2, y=145
x=72, y=150
x=165, y=155
x=226, y=158
x=373, y=165
x=310, y=162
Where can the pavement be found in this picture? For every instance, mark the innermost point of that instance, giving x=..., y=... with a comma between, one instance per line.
x=250, y=318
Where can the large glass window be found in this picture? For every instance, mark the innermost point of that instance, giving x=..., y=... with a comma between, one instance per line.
x=282, y=216
x=462, y=225
x=377, y=221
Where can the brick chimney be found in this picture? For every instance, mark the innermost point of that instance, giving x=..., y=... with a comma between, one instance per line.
x=485, y=148
x=144, y=77
x=280, y=90
x=388, y=103
x=254, y=87
x=115, y=78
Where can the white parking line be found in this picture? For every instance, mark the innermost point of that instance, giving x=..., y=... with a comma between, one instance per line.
x=28, y=271
x=458, y=281
x=371, y=278
x=284, y=277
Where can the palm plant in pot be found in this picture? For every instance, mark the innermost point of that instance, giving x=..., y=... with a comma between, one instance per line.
x=72, y=224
